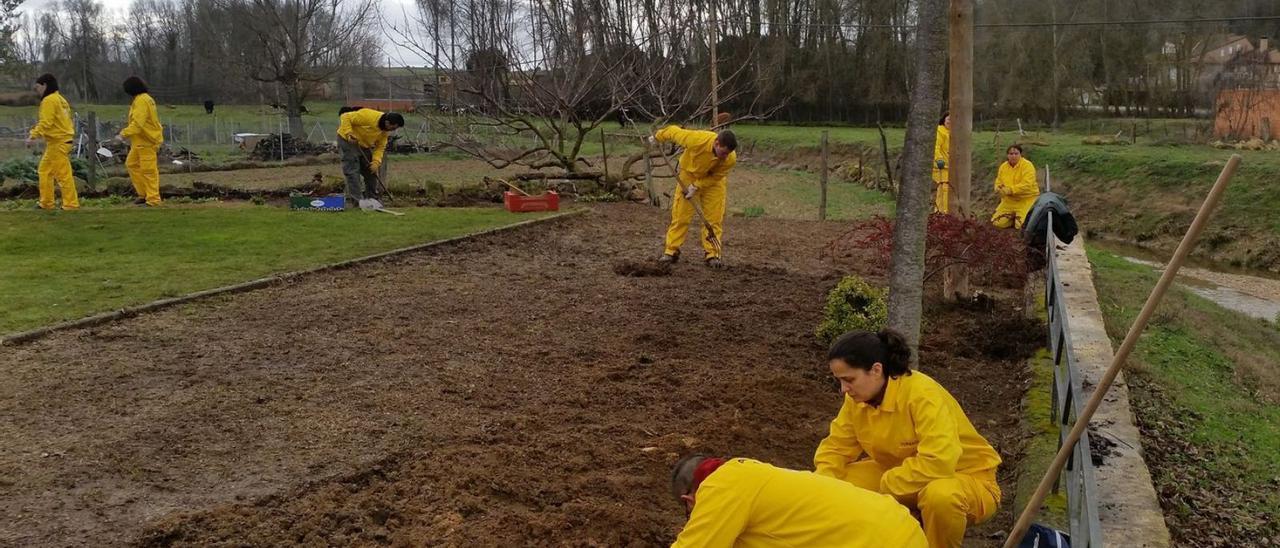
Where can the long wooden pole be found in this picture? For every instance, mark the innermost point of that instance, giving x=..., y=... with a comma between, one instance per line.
x=822, y=199
x=715, y=84
x=956, y=278
x=1126, y=347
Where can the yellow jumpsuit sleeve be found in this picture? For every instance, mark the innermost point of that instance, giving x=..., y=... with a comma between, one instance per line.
x=937, y=453
x=344, y=125
x=675, y=134
x=378, y=146
x=840, y=447
x=942, y=151
x=719, y=516
x=47, y=111
x=137, y=118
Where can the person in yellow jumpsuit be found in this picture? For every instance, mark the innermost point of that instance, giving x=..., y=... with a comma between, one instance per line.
x=145, y=136
x=54, y=126
x=1016, y=185
x=362, y=139
x=901, y=433
x=704, y=169
x=747, y=503
x=942, y=165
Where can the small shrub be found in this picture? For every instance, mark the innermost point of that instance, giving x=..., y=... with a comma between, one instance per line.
x=257, y=199
x=20, y=169
x=852, y=305
x=753, y=212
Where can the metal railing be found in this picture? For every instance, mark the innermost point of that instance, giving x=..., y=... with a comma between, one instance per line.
x=1078, y=478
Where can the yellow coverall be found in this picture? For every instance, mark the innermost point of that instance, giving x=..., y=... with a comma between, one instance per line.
x=56, y=130
x=942, y=175
x=145, y=136
x=1018, y=190
x=698, y=167
x=361, y=128
x=918, y=446
x=748, y=503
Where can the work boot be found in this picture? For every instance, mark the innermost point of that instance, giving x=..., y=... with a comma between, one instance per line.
x=671, y=259
x=715, y=263
x=140, y=201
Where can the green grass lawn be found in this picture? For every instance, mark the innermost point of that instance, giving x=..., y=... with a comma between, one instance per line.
x=1206, y=392
x=61, y=266
x=793, y=194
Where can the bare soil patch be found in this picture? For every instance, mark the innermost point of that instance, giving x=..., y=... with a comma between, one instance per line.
x=509, y=390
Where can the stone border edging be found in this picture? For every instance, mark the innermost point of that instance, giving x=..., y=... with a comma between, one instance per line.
x=131, y=311
x=1128, y=507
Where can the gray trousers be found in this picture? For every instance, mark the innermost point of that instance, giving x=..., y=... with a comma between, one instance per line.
x=355, y=167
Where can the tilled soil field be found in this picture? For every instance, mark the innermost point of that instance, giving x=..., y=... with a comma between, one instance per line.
x=510, y=390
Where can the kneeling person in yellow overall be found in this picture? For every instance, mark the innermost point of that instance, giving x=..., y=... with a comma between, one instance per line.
x=901, y=433
x=1016, y=185
x=747, y=503
x=54, y=126
x=145, y=136
x=704, y=168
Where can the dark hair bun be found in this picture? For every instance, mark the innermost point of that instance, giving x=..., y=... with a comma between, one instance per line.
x=897, y=353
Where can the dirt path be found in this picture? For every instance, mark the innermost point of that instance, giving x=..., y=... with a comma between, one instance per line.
x=506, y=391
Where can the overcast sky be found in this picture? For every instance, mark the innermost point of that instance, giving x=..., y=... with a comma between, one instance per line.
x=392, y=10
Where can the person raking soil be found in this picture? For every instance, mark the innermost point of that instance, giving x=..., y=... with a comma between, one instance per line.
x=743, y=502
x=703, y=176
x=362, y=140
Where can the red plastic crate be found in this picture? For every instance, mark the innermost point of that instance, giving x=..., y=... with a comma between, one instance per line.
x=517, y=203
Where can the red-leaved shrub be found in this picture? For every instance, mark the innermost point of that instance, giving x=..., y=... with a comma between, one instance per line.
x=994, y=256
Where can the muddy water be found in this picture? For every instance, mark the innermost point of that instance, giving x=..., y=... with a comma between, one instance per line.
x=1255, y=294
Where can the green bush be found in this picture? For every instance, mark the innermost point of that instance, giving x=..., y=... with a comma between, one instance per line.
x=19, y=169
x=852, y=305
x=24, y=169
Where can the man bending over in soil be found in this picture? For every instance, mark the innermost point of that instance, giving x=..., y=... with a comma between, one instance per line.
x=362, y=138
x=743, y=502
x=704, y=170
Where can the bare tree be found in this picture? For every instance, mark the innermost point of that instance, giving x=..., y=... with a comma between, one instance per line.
x=906, y=276
x=547, y=76
x=9, y=25
x=295, y=44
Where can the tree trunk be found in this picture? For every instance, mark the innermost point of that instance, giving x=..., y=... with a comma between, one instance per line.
x=293, y=107
x=906, y=275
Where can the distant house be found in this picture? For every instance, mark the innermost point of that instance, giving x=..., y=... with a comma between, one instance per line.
x=1235, y=62
x=398, y=86
x=1244, y=80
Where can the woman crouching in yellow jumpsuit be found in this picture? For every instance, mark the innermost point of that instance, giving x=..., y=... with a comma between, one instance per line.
x=55, y=128
x=1016, y=185
x=145, y=137
x=901, y=433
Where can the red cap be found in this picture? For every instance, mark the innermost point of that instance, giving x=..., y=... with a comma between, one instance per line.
x=704, y=469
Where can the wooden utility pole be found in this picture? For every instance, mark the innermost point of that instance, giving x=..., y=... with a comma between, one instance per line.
x=956, y=278
x=822, y=200
x=715, y=84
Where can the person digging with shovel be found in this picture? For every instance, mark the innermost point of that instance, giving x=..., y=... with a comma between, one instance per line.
x=700, y=184
x=362, y=139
